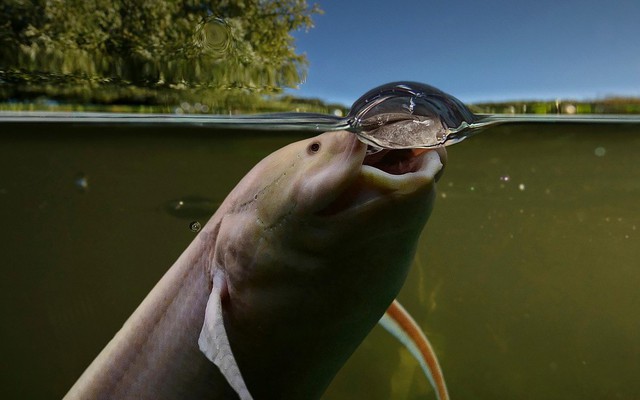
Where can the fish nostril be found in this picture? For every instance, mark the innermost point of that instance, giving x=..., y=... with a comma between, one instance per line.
x=313, y=148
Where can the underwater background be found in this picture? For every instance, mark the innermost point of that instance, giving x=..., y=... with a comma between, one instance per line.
x=526, y=276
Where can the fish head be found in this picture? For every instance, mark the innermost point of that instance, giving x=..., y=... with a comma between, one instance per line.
x=303, y=178
x=307, y=208
x=314, y=244
x=332, y=173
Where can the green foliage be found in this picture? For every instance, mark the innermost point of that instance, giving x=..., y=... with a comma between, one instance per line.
x=612, y=105
x=169, y=45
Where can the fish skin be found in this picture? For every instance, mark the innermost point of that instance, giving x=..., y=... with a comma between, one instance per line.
x=305, y=281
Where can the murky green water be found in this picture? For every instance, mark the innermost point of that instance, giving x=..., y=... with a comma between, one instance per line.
x=526, y=279
x=528, y=287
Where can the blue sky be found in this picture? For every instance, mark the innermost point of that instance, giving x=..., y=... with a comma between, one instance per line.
x=475, y=50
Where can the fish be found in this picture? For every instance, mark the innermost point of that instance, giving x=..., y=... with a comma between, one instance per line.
x=284, y=281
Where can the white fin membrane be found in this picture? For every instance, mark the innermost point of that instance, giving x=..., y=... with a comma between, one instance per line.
x=214, y=343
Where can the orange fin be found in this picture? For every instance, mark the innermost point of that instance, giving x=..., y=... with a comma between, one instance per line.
x=403, y=327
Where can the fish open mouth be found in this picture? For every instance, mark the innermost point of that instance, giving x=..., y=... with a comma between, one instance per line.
x=386, y=174
x=396, y=162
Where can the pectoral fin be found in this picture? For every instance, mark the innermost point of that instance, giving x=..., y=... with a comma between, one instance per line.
x=214, y=343
x=403, y=327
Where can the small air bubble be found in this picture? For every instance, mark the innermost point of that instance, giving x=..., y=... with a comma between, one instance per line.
x=81, y=182
x=195, y=226
x=505, y=178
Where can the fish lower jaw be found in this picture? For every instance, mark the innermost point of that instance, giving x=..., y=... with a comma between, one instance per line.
x=422, y=172
x=377, y=184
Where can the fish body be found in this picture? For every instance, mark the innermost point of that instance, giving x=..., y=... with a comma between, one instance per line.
x=282, y=284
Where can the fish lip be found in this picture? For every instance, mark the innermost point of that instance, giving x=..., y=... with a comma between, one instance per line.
x=375, y=186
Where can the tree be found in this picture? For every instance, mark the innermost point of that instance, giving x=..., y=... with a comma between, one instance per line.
x=171, y=44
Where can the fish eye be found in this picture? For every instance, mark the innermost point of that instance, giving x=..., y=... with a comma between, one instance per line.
x=314, y=147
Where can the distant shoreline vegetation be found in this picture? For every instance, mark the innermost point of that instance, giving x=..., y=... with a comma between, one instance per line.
x=607, y=105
